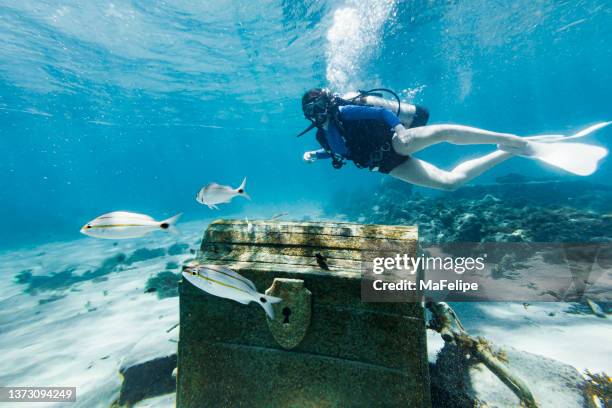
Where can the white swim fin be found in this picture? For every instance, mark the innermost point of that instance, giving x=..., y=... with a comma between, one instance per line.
x=577, y=158
x=561, y=138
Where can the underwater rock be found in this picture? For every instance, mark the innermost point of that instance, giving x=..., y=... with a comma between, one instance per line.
x=458, y=382
x=147, y=370
x=149, y=379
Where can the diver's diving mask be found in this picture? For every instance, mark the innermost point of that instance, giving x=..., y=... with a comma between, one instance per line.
x=316, y=110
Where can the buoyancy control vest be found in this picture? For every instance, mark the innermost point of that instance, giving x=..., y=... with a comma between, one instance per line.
x=369, y=141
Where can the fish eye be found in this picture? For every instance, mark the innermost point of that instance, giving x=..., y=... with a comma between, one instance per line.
x=262, y=299
x=194, y=273
x=87, y=226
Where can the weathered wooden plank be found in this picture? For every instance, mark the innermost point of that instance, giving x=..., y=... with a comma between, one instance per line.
x=337, y=290
x=273, y=258
x=339, y=312
x=212, y=248
x=324, y=228
x=305, y=240
x=232, y=377
x=350, y=259
x=272, y=268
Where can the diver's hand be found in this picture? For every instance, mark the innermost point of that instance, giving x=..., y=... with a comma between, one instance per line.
x=402, y=135
x=310, y=157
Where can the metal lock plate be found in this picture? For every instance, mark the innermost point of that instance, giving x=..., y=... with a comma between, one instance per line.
x=292, y=315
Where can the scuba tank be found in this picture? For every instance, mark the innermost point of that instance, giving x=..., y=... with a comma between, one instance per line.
x=408, y=114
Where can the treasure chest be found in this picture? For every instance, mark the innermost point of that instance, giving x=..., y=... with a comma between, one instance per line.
x=325, y=347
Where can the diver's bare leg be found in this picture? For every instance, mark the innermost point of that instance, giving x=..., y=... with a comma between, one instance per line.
x=419, y=138
x=422, y=173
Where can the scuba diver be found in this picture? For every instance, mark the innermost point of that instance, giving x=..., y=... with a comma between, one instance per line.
x=382, y=135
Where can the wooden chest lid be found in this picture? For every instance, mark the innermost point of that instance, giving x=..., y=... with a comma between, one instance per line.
x=299, y=247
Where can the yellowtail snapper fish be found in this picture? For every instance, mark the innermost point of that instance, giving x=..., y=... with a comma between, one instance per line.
x=226, y=283
x=214, y=193
x=123, y=225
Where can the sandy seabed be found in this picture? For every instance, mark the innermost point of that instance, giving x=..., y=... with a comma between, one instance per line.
x=79, y=335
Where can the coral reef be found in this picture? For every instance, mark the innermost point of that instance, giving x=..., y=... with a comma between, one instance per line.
x=599, y=388
x=529, y=211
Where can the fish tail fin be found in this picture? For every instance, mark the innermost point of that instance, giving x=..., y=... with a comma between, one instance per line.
x=266, y=302
x=170, y=223
x=241, y=190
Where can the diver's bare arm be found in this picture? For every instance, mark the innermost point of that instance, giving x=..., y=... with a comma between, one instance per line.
x=412, y=140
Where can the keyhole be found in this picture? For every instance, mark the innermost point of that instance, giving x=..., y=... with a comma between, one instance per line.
x=286, y=313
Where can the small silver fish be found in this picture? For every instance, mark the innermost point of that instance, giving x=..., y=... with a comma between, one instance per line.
x=226, y=283
x=123, y=225
x=214, y=193
x=279, y=215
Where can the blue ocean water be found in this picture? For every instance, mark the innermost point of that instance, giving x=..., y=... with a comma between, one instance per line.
x=136, y=105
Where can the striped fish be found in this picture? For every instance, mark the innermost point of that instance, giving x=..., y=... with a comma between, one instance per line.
x=226, y=283
x=214, y=193
x=123, y=225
